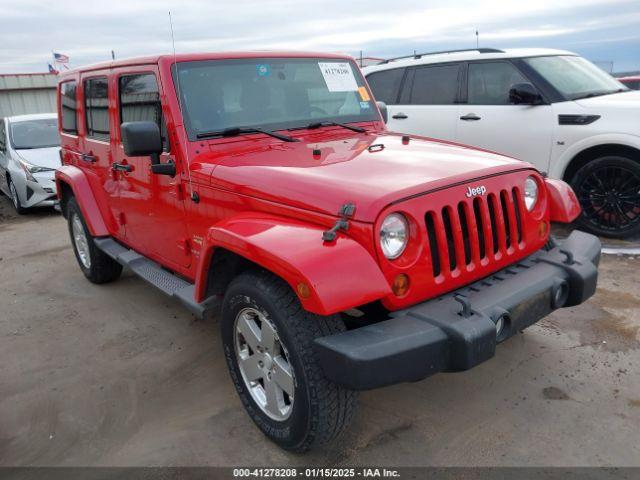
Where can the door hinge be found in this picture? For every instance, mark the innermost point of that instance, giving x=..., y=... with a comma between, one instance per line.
x=185, y=246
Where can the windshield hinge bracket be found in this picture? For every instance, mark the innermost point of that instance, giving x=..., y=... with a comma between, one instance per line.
x=346, y=211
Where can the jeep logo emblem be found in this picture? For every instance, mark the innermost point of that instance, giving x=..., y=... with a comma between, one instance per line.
x=480, y=190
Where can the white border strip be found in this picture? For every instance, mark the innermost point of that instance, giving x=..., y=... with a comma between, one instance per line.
x=620, y=251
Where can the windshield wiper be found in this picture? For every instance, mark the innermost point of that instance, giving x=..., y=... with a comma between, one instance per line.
x=235, y=131
x=335, y=124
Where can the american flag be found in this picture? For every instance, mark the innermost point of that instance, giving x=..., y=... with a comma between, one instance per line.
x=53, y=70
x=60, y=58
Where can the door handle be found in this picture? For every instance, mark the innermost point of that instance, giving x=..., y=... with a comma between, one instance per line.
x=400, y=116
x=121, y=167
x=87, y=157
x=470, y=117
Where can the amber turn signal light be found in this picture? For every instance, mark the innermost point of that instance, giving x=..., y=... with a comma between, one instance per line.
x=400, y=285
x=542, y=229
x=303, y=290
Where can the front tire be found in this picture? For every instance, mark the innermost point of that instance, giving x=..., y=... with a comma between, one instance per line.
x=96, y=265
x=15, y=199
x=608, y=189
x=268, y=343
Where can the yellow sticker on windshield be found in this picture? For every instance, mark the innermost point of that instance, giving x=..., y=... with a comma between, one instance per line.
x=364, y=95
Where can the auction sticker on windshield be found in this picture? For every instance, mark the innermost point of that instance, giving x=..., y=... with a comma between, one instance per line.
x=338, y=77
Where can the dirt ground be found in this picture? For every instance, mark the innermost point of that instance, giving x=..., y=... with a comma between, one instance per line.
x=121, y=375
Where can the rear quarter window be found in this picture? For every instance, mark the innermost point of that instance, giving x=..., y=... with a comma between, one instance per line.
x=68, y=107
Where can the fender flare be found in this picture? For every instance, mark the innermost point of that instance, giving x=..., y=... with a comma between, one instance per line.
x=340, y=275
x=77, y=180
x=563, y=203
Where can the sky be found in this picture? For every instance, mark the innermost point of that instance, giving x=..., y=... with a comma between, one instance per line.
x=604, y=31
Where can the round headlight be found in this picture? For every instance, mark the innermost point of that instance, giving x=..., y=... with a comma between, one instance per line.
x=530, y=192
x=394, y=234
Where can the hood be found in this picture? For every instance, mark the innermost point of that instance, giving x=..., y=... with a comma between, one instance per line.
x=629, y=99
x=41, y=157
x=372, y=170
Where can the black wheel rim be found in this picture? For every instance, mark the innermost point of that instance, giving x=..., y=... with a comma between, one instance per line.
x=610, y=198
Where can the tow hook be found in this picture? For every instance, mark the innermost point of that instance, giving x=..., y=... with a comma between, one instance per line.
x=346, y=211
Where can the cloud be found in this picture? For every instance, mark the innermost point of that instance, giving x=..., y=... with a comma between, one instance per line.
x=87, y=31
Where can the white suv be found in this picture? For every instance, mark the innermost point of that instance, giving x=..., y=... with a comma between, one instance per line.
x=551, y=108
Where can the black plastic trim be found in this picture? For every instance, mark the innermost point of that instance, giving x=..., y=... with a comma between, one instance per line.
x=568, y=119
x=167, y=282
x=416, y=56
x=457, y=331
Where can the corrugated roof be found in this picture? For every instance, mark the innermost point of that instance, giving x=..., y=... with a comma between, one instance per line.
x=22, y=81
x=25, y=93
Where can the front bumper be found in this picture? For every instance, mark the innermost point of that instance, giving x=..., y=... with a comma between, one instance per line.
x=457, y=331
x=42, y=192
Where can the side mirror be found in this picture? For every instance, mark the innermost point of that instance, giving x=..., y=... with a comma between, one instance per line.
x=141, y=139
x=524, y=94
x=383, y=110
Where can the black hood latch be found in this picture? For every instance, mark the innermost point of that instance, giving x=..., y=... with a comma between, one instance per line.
x=346, y=211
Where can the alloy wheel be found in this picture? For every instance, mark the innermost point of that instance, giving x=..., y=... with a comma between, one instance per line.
x=14, y=195
x=610, y=197
x=80, y=241
x=264, y=364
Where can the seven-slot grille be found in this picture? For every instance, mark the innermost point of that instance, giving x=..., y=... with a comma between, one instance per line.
x=475, y=231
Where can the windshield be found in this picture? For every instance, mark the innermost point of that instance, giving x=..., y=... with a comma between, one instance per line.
x=35, y=134
x=272, y=93
x=575, y=77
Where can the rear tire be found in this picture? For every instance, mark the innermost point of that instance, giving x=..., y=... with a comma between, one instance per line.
x=608, y=189
x=266, y=330
x=15, y=199
x=96, y=265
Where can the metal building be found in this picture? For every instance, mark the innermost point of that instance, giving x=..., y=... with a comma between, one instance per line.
x=23, y=93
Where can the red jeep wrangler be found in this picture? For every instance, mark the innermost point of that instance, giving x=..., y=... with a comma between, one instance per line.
x=343, y=257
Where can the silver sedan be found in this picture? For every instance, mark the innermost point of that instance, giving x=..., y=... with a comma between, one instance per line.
x=29, y=156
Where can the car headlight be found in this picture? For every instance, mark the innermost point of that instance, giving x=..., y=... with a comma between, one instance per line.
x=36, y=169
x=530, y=193
x=30, y=169
x=27, y=171
x=394, y=234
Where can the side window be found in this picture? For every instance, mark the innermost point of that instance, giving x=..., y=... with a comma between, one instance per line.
x=435, y=85
x=96, y=103
x=489, y=83
x=69, y=107
x=3, y=137
x=385, y=84
x=139, y=100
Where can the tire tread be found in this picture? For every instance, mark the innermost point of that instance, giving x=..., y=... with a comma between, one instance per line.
x=104, y=269
x=334, y=405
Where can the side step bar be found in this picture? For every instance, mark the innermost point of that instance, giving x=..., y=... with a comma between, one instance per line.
x=152, y=272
